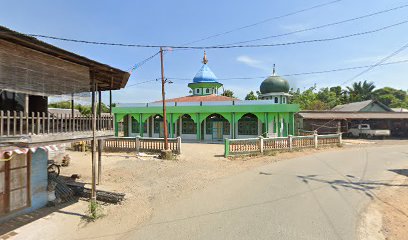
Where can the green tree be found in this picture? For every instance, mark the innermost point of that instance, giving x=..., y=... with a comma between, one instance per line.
x=360, y=91
x=83, y=109
x=228, y=93
x=328, y=97
x=392, y=97
x=308, y=100
x=251, y=96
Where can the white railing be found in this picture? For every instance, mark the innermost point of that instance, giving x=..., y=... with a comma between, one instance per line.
x=141, y=144
x=13, y=123
x=260, y=145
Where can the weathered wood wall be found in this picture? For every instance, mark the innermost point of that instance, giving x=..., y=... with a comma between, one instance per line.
x=29, y=71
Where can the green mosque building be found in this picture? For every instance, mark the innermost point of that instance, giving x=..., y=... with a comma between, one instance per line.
x=206, y=115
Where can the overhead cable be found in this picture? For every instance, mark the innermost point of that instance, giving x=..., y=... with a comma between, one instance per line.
x=230, y=46
x=405, y=46
x=319, y=27
x=263, y=21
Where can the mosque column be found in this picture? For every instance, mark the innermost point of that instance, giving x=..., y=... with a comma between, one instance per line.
x=141, y=128
x=198, y=122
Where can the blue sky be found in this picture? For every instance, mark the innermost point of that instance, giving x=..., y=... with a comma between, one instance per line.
x=178, y=22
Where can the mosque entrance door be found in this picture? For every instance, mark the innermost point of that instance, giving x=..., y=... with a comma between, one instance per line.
x=217, y=130
x=161, y=130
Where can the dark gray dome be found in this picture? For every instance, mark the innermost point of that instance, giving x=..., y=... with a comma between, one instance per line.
x=274, y=84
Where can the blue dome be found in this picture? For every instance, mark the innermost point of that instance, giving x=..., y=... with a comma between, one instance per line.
x=205, y=75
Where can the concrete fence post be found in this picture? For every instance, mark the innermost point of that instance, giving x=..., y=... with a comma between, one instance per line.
x=137, y=144
x=261, y=144
x=179, y=145
x=340, y=139
x=226, y=147
x=290, y=141
x=315, y=140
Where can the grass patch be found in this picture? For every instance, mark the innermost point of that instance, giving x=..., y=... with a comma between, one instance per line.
x=95, y=211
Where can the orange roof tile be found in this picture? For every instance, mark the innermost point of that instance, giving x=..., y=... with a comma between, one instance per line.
x=207, y=98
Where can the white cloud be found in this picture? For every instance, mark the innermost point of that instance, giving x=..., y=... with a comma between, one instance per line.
x=249, y=61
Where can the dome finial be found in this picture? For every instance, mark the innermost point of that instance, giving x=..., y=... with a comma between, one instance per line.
x=273, y=72
x=205, y=60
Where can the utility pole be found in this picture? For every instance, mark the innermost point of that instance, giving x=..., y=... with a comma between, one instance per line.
x=166, y=143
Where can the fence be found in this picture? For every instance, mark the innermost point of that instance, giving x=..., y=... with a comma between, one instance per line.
x=259, y=145
x=141, y=144
x=18, y=124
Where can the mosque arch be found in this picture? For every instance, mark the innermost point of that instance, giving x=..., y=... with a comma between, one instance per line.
x=248, y=124
x=217, y=125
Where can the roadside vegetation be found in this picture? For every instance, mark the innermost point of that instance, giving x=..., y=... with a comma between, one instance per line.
x=329, y=97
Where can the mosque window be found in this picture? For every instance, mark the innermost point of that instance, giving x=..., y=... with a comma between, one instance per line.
x=188, y=125
x=197, y=90
x=157, y=122
x=276, y=100
x=135, y=126
x=283, y=99
x=248, y=125
x=207, y=90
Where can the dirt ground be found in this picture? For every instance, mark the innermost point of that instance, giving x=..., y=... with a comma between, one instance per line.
x=387, y=216
x=147, y=182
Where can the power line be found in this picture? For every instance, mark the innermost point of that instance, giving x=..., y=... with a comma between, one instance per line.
x=319, y=27
x=141, y=63
x=230, y=46
x=405, y=46
x=303, y=73
x=152, y=80
x=263, y=21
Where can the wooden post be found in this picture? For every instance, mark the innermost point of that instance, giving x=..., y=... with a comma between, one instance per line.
x=8, y=123
x=32, y=123
x=93, y=143
x=21, y=122
x=166, y=144
x=14, y=123
x=1, y=123
x=100, y=146
x=99, y=109
x=110, y=102
x=315, y=140
x=26, y=103
x=73, y=113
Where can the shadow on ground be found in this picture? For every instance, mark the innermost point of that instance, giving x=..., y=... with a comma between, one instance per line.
x=351, y=182
x=403, y=172
x=8, y=226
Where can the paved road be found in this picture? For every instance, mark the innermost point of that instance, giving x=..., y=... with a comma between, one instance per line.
x=317, y=196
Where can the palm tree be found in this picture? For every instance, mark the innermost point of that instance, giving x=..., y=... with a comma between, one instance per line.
x=360, y=91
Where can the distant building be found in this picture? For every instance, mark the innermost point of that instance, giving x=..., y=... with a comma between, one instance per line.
x=343, y=117
x=207, y=115
x=399, y=109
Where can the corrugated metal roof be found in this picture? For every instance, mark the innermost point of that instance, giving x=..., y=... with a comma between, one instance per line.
x=206, y=98
x=352, y=107
x=351, y=115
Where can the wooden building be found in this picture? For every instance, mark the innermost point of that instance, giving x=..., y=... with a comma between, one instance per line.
x=30, y=71
x=343, y=117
